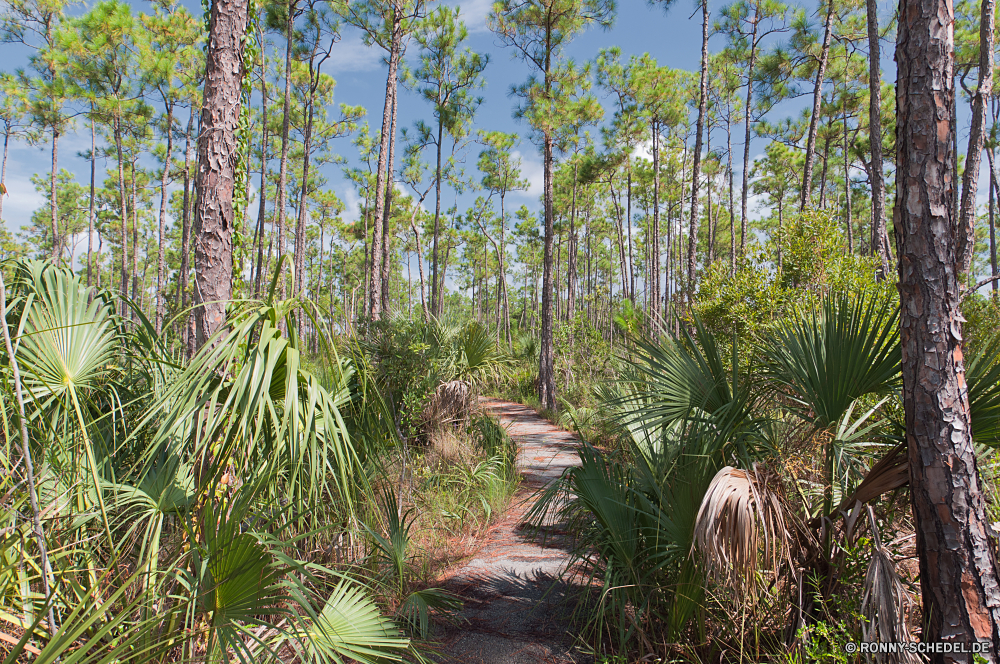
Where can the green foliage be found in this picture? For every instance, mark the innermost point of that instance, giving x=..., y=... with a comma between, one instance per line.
x=208, y=477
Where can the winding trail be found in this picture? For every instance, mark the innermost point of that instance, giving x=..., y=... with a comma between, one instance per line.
x=514, y=610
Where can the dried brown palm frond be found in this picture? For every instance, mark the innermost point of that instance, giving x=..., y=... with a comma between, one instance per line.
x=885, y=601
x=740, y=524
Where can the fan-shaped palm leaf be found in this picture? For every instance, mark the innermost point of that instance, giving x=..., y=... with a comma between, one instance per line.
x=824, y=360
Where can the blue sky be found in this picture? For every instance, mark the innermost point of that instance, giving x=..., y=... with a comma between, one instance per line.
x=672, y=37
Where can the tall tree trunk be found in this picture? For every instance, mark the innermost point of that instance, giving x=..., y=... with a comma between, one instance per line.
x=217, y=156
x=628, y=224
x=696, y=173
x=437, y=215
x=390, y=190
x=123, y=204
x=880, y=236
x=135, y=234
x=93, y=180
x=977, y=136
x=3, y=174
x=732, y=208
x=847, y=184
x=303, y=216
x=960, y=591
x=655, y=253
x=807, y=171
x=262, y=207
x=546, y=354
x=993, y=239
x=503, y=271
x=822, y=177
x=746, y=137
x=571, y=251
x=161, y=260
x=420, y=264
x=374, y=283
x=53, y=202
x=286, y=112
x=182, y=288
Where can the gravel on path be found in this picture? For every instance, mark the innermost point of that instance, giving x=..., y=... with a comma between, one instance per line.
x=515, y=609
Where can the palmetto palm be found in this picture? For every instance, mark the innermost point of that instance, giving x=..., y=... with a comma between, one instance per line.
x=230, y=451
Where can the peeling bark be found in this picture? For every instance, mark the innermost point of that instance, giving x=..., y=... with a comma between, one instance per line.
x=958, y=576
x=217, y=154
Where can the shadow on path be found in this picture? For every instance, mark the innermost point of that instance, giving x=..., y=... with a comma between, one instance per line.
x=515, y=605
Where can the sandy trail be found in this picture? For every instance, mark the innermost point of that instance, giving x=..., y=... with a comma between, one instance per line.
x=514, y=609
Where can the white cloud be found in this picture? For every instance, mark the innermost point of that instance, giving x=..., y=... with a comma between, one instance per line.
x=533, y=172
x=474, y=13
x=22, y=199
x=351, y=55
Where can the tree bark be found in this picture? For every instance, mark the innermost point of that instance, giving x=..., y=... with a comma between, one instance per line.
x=161, y=260
x=93, y=178
x=303, y=216
x=958, y=576
x=746, y=137
x=123, y=226
x=977, y=136
x=262, y=206
x=182, y=287
x=374, y=285
x=880, y=236
x=702, y=112
x=732, y=208
x=437, y=214
x=847, y=184
x=217, y=148
x=655, y=239
x=390, y=189
x=546, y=353
x=993, y=239
x=807, y=171
x=53, y=202
x=286, y=111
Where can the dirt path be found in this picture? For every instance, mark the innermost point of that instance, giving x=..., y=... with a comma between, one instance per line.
x=514, y=611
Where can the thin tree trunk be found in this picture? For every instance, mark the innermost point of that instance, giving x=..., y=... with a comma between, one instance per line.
x=880, y=236
x=807, y=171
x=696, y=171
x=546, y=354
x=53, y=202
x=977, y=136
x=93, y=179
x=286, y=112
x=303, y=217
x=387, y=213
x=262, y=207
x=960, y=590
x=3, y=176
x=655, y=254
x=374, y=285
x=29, y=468
x=993, y=240
x=628, y=222
x=217, y=154
x=746, y=137
x=571, y=252
x=437, y=215
x=732, y=208
x=847, y=185
x=123, y=229
x=822, y=177
x=161, y=260
x=182, y=291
